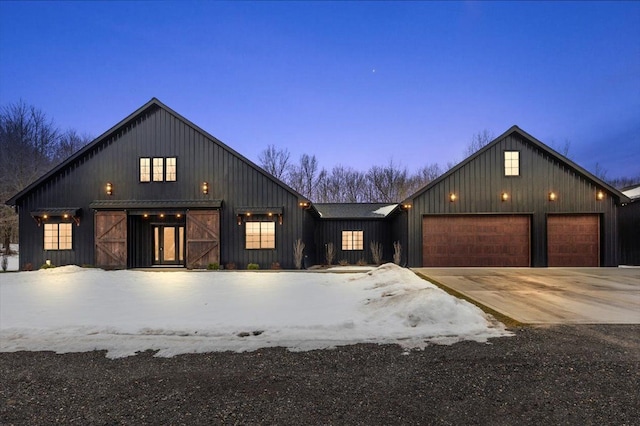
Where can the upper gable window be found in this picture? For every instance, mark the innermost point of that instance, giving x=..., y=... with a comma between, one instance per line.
x=145, y=170
x=352, y=240
x=512, y=163
x=171, y=169
x=158, y=169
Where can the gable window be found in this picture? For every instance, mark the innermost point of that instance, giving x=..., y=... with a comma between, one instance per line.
x=352, y=240
x=145, y=170
x=511, y=163
x=158, y=169
x=57, y=236
x=170, y=175
x=260, y=235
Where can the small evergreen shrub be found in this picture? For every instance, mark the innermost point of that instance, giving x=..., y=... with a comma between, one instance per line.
x=213, y=266
x=47, y=266
x=253, y=266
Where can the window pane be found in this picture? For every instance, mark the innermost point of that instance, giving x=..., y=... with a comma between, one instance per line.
x=169, y=243
x=51, y=236
x=253, y=235
x=268, y=235
x=158, y=169
x=171, y=169
x=145, y=169
x=65, y=237
x=346, y=240
x=511, y=163
x=358, y=240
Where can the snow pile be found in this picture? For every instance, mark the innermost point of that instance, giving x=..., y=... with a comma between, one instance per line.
x=71, y=309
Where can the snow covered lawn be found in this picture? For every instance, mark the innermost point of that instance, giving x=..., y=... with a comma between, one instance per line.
x=71, y=309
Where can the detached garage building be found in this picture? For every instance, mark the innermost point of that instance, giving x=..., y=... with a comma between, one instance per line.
x=516, y=202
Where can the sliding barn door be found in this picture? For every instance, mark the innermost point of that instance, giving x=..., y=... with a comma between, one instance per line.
x=203, y=238
x=111, y=239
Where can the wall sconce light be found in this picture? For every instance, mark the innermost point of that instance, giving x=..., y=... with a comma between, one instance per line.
x=552, y=196
x=205, y=188
x=599, y=195
x=239, y=220
x=145, y=215
x=161, y=215
x=304, y=204
x=406, y=206
x=452, y=197
x=248, y=214
x=269, y=214
x=504, y=196
x=44, y=216
x=178, y=215
x=65, y=216
x=109, y=188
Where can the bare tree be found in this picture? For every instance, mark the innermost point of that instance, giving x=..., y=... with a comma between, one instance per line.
x=478, y=141
x=275, y=161
x=70, y=142
x=600, y=171
x=298, y=250
x=304, y=177
x=387, y=184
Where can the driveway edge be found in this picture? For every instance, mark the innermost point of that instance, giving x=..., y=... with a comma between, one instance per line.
x=506, y=320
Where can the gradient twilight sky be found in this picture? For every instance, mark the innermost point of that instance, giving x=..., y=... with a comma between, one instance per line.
x=355, y=83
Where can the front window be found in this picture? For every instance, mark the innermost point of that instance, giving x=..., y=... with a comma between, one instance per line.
x=352, y=240
x=171, y=169
x=58, y=236
x=261, y=235
x=145, y=169
x=511, y=163
x=158, y=169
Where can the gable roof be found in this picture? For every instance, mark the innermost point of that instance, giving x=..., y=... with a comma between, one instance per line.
x=542, y=147
x=154, y=103
x=355, y=210
x=633, y=192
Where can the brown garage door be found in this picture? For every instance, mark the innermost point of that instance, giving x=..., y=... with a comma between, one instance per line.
x=573, y=240
x=475, y=240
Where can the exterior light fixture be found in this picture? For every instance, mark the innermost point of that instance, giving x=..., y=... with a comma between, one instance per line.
x=248, y=214
x=504, y=196
x=270, y=214
x=599, y=195
x=66, y=216
x=552, y=196
x=205, y=188
x=44, y=216
x=406, y=206
x=161, y=214
x=145, y=215
x=239, y=220
x=452, y=197
x=280, y=219
x=304, y=204
x=178, y=215
x=109, y=188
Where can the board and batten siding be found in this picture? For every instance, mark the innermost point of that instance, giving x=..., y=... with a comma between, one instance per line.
x=373, y=231
x=479, y=183
x=158, y=132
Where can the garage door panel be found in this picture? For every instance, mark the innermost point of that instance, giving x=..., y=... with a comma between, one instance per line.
x=573, y=240
x=476, y=240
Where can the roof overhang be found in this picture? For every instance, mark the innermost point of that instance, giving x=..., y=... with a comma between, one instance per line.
x=140, y=205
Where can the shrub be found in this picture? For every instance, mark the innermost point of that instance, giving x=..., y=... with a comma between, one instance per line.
x=230, y=265
x=330, y=253
x=361, y=262
x=376, y=252
x=397, y=252
x=47, y=266
x=28, y=267
x=213, y=266
x=253, y=266
x=4, y=263
x=276, y=265
x=343, y=262
x=298, y=249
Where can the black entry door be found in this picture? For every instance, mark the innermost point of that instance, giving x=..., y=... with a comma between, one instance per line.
x=168, y=245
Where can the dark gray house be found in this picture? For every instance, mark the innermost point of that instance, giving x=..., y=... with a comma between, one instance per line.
x=630, y=227
x=515, y=202
x=157, y=190
x=352, y=227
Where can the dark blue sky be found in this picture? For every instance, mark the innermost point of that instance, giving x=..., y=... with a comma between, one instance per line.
x=354, y=83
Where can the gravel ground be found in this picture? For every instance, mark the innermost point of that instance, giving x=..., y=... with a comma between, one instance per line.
x=577, y=375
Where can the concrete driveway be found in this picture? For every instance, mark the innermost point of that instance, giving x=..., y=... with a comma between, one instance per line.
x=549, y=295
